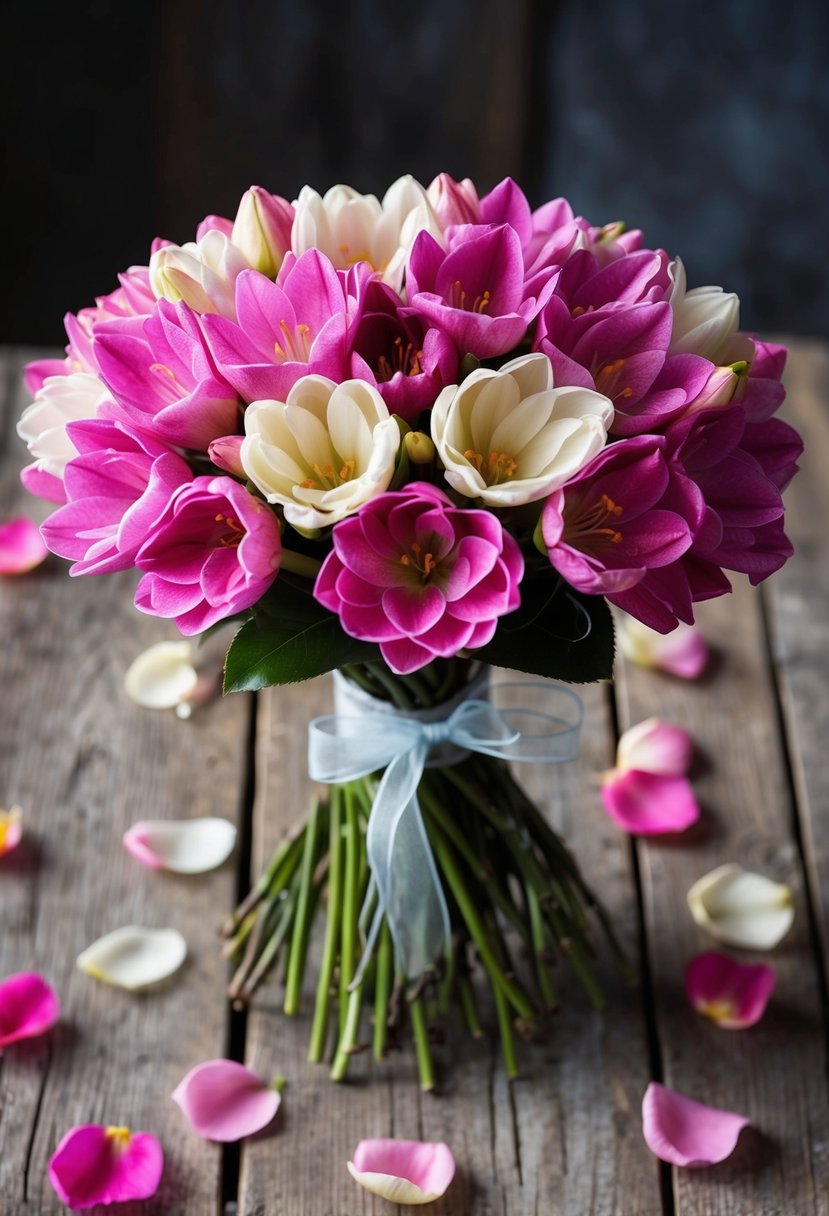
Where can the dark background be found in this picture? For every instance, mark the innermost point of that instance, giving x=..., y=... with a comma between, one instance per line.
x=705, y=124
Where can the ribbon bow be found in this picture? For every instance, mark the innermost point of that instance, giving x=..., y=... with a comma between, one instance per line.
x=344, y=748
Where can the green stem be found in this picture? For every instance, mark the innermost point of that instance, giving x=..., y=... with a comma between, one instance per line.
x=319, y=1026
x=287, y=852
x=349, y=931
x=299, y=938
x=392, y=686
x=425, y=1066
x=351, y=1029
x=506, y=1032
x=382, y=991
x=469, y=1007
x=539, y=942
x=299, y=563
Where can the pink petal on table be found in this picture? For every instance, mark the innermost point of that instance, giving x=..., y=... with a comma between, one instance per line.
x=95, y=1164
x=684, y=1132
x=683, y=652
x=11, y=829
x=732, y=994
x=21, y=546
x=649, y=804
x=28, y=1007
x=655, y=746
x=403, y=1171
x=226, y=1101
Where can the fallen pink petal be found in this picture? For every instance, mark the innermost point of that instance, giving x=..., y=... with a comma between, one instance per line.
x=731, y=993
x=403, y=1171
x=649, y=804
x=684, y=1132
x=95, y=1164
x=655, y=746
x=683, y=652
x=21, y=546
x=29, y=1006
x=225, y=1101
x=11, y=829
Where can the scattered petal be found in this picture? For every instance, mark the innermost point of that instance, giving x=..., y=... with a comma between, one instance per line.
x=134, y=957
x=225, y=1101
x=649, y=804
x=684, y=1132
x=28, y=1007
x=186, y=846
x=656, y=747
x=11, y=829
x=21, y=546
x=403, y=1171
x=741, y=908
x=163, y=676
x=95, y=1164
x=683, y=652
x=732, y=994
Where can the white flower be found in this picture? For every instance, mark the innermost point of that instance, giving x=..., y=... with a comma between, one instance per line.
x=704, y=318
x=201, y=273
x=42, y=424
x=349, y=227
x=324, y=452
x=509, y=437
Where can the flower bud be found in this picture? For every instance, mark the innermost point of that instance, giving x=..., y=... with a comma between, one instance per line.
x=262, y=229
x=724, y=385
x=201, y=273
x=226, y=454
x=454, y=202
x=419, y=447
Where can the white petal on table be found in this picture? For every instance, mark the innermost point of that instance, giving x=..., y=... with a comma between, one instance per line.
x=162, y=676
x=185, y=846
x=134, y=957
x=742, y=908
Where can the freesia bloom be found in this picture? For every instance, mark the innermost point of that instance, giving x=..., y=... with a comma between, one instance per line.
x=508, y=437
x=95, y=1164
x=403, y=1171
x=687, y=1133
x=684, y=652
x=183, y=846
x=42, y=425
x=324, y=452
x=202, y=273
x=134, y=957
x=420, y=576
x=742, y=909
x=11, y=830
x=732, y=994
x=162, y=676
x=214, y=551
x=28, y=1007
x=22, y=547
x=262, y=229
x=225, y=1101
x=705, y=318
x=454, y=202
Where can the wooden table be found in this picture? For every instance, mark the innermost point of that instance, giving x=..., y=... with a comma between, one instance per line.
x=565, y=1140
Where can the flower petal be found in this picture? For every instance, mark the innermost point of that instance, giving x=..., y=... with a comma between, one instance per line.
x=21, y=546
x=403, y=1171
x=28, y=1007
x=134, y=957
x=656, y=747
x=186, y=846
x=741, y=908
x=163, y=676
x=95, y=1164
x=732, y=994
x=225, y=1101
x=684, y=1132
x=11, y=829
x=649, y=804
x=683, y=652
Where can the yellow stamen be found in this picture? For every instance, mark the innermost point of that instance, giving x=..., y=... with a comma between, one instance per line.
x=162, y=367
x=120, y=1137
x=424, y=567
x=494, y=468
x=718, y=1011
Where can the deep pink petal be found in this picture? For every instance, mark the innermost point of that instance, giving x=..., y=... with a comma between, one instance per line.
x=732, y=994
x=95, y=1164
x=413, y=611
x=225, y=1101
x=649, y=804
x=684, y=1132
x=21, y=546
x=29, y=1006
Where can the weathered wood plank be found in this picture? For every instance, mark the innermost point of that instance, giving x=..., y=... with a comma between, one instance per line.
x=775, y=1072
x=572, y=1144
x=797, y=598
x=84, y=764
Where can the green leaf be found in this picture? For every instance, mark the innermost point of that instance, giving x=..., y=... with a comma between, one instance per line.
x=556, y=632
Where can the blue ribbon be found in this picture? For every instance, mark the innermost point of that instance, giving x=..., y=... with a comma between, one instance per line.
x=343, y=748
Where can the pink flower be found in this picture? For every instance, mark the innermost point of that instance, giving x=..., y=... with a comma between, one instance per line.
x=28, y=1007
x=225, y=1101
x=403, y=1171
x=214, y=551
x=732, y=994
x=420, y=576
x=21, y=545
x=454, y=202
x=684, y=1132
x=95, y=1164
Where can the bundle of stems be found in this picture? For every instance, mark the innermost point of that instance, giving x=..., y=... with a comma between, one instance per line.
x=514, y=892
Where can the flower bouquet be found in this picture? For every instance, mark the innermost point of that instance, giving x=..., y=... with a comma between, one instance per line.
x=404, y=441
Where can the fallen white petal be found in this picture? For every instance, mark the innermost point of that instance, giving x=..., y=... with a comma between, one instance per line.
x=742, y=908
x=186, y=846
x=134, y=957
x=162, y=676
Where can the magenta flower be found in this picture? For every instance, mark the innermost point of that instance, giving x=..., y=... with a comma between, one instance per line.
x=117, y=486
x=684, y=1132
x=618, y=517
x=160, y=372
x=284, y=330
x=732, y=994
x=21, y=545
x=28, y=1007
x=420, y=576
x=225, y=1101
x=95, y=1164
x=454, y=202
x=214, y=551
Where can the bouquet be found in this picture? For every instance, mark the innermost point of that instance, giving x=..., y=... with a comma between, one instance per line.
x=404, y=441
